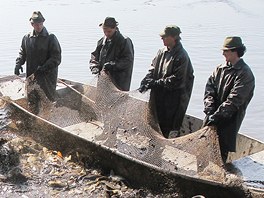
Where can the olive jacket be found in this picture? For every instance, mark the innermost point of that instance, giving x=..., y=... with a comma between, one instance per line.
x=41, y=50
x=119, y=50
x=173, y=69
x=227, y=94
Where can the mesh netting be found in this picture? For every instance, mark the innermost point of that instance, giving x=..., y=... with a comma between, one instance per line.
x=126, y=124
x=130, y=127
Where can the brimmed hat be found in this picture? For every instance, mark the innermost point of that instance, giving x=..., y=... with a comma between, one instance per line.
x=232, y=42
x=37, y=17
x=109, y=22
x=171, y=30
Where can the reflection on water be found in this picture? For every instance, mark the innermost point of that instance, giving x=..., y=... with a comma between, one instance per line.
x=204, y=23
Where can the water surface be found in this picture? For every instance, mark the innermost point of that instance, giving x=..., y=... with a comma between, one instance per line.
x=204, y=25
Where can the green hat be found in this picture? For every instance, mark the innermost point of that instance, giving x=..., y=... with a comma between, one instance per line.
x=232, y=42
x=171, y=30
x=37, y=17
x=109, y=22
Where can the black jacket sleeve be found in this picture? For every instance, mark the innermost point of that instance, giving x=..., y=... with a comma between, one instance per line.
x=178, y=78
x=210, y=96
x=54, y=53
x=21, y=59
x=239, y=96
x=126, y=58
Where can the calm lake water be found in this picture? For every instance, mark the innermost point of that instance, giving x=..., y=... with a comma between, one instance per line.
x=204, y=25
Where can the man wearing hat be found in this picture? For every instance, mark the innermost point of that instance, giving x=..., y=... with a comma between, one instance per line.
x=170, y=79
x=114, y=54
x=227, y=93
x=42, y=53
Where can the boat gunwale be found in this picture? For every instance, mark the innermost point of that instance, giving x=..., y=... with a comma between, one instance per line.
x=122, y=154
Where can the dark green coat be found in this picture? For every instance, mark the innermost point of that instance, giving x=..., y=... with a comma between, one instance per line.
x=121, y=51
x=43, y=50
x=171, y=97
x=227, y=93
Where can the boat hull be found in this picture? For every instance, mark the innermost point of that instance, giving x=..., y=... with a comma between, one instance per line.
x=139, y=174
x=114, y=137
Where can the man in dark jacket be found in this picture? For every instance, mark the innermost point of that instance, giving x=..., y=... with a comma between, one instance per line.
x=114, y=54
x=42, y=53
x=227, y=93
x=170, y=80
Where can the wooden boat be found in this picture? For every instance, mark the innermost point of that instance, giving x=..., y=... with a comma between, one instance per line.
x=117, y=131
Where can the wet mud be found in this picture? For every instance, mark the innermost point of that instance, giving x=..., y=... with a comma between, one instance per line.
x=28, y=169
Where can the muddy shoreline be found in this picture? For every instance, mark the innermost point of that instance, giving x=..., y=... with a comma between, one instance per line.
x=31, y=170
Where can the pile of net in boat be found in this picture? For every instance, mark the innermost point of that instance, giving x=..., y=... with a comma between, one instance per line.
x=128, y=125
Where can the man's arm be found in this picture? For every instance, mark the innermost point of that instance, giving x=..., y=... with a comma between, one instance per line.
x=210, y=95
x=126, y=59
x=21, y=59
x=179, y=76
x=54, y=54
x=95, y=66
x=240, y=95
x=147, y=81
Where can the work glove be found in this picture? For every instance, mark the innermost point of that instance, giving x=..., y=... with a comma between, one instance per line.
x=109, y=65
x=94, y=67
x=144, y=85
x=17, y=68
x=142, y=88
x=150, y=83
x=95, y=70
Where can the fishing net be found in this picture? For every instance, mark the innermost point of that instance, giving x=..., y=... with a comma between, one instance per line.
x=125, y=122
